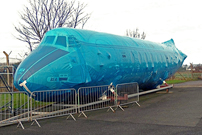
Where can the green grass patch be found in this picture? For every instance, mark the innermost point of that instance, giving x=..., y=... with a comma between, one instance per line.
x=18, y=100
x=14, y=101
x=175, y=81
x=181, y=77
x=187, y=75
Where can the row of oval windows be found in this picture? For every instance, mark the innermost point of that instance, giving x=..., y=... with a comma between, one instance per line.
x=157, y=57
x=149, y=57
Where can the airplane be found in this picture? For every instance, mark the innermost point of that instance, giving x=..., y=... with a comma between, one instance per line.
x=74, y=58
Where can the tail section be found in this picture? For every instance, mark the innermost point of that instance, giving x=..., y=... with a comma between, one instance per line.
x=169, y=43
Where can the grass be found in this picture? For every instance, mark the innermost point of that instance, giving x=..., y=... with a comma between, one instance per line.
x=186, y=75
x=181, y=77
x=175, y=81
x=20, y=100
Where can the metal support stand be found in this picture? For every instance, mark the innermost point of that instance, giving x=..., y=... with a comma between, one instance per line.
x=71, y=116
x=119, y=106
x=83, y=114
x=110, y=108
x=36, y=123
x=137, y=103
x=20, y=124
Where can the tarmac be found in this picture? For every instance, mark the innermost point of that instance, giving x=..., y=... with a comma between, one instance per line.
x=178, y=112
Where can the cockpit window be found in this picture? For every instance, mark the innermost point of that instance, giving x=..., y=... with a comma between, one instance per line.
x=61, y=40
x=72, y=40
x=49, y=40
x=64, y=41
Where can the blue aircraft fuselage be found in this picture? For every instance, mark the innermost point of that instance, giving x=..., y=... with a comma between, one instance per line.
x=73, y=58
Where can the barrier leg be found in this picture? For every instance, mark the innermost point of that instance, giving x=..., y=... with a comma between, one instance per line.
x=137, y=103
x=36, y=123
x=20, y=124
x=167, y=90
x=119, y=106
x=110, y=108
x=83, y=114
x=71, y=116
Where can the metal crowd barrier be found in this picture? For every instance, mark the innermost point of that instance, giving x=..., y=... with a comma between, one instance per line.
x=127, y=93
x=94, y=98
x=53, y=103
x=14, y=108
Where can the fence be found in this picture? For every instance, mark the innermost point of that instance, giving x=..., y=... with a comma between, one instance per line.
x=127, y=93
x=53, y=103
x=6, y=78
x=14, y=108
x=186, y=75
x=94, y=98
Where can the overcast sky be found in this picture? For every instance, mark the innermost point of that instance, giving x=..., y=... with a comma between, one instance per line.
x=160, y=19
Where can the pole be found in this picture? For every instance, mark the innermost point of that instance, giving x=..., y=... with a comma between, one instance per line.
x=7, y=62
x=192, y=67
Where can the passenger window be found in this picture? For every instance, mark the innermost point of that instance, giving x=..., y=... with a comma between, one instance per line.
x=158, y=58
x=132, y=57
x=152, y=58
x=162, y=59
x=61, y=40
x=70, y=40
x=146, y=59
x=167, y=58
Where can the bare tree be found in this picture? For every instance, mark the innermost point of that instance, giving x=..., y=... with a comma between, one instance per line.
x=43, y=15
x=143, y=36
x=135, y=34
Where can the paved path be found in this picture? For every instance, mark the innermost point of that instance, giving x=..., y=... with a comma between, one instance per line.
x=176, y=113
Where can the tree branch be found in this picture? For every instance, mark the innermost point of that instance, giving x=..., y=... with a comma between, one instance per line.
x=43, y=15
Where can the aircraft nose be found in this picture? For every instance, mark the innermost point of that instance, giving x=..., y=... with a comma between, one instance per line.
x=39, y=58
